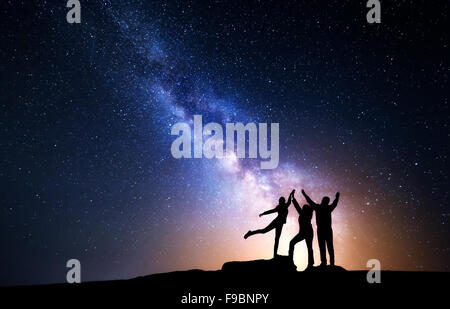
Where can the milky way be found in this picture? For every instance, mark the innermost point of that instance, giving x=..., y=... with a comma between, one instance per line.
x=87, y=171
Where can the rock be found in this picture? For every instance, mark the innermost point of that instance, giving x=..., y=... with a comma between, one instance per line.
x=280, y=264
x=326, y=269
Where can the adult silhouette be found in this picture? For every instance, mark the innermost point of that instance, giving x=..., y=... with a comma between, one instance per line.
x=323, y=222
x=306, y=231
x=277, y=223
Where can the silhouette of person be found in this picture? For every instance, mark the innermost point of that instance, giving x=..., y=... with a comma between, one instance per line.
x=277, y=223
x=306, y=231
x=323, y=222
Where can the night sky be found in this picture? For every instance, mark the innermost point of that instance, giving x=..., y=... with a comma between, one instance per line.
x=86, y=170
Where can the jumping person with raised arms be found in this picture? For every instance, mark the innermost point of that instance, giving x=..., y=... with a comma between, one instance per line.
x=323, y=222
x=277, y=223
x=306, y=231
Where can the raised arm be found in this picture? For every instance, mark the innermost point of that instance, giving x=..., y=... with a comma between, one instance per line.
x=268, y=212
x=296, y=205
x=335, y=202
x=309, y=200
x=289, y=199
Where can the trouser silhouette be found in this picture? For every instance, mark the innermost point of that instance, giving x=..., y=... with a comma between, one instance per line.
x=277, y=240
x=308, y=237
x=325, y=238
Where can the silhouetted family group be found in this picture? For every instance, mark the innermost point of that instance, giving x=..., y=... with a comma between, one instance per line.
x=323, y=222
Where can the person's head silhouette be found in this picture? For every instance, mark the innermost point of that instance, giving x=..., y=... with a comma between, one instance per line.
x=281, y=201
x=325, y=201
x=307, y=210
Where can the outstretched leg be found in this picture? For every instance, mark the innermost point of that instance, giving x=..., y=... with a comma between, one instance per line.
x=268, y=228
x=330, y=246
x=297, y=238
x=277, y=239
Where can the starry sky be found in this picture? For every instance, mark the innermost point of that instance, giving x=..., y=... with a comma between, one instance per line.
x=86, y=170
